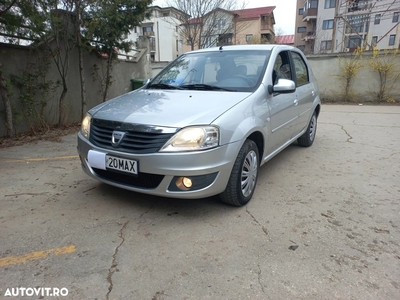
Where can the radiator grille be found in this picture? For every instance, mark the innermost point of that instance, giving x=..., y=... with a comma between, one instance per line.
x=137, y=139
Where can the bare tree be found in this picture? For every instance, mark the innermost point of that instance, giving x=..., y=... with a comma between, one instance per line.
x=79, y=9
x=5, y=8
x=203, y=21
x=7, y=105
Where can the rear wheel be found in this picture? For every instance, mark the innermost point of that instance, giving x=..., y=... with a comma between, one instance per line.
x=307, y=139
x=243, y=179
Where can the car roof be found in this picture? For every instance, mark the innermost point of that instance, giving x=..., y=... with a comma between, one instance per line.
x=244, y=47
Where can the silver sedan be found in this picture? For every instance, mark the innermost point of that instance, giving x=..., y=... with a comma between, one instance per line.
x=205, y=124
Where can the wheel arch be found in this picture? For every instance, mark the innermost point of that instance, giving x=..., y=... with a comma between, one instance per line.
x=318, y=109
x=258, y=138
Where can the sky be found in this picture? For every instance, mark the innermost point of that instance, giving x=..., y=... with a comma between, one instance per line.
x=284, y=13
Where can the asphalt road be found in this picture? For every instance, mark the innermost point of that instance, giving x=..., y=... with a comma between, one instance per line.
x=323, y=224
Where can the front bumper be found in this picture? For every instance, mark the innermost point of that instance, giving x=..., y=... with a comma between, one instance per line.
x=158, y=172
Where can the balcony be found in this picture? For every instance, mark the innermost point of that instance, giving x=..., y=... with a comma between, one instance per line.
x=310, y=13
x=148, y=33
x=266, y=27
x=309, y=35
x=360, y=6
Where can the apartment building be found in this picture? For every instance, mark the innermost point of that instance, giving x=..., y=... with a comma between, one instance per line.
x=162, y=31
x=223, y=27
x=331, y=26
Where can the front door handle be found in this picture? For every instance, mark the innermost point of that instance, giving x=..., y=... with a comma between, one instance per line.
x=295, y=102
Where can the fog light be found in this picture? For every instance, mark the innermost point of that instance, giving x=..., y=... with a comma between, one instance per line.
x=187, y=182
x=184, y=183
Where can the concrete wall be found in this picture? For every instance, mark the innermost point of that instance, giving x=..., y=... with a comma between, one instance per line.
x=156, y=67
x=16, y=59
x=365, y=85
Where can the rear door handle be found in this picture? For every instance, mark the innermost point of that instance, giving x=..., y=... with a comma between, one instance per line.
x=295, y=102
x=313, y=93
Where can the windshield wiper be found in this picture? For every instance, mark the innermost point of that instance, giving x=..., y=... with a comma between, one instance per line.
x=205, y=87
x=164, y=86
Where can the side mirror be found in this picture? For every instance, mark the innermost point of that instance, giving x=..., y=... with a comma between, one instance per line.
x=284, y=86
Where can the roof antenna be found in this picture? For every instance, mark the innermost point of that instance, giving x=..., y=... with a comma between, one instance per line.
x=220, y=48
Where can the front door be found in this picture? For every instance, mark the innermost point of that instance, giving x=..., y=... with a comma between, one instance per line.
x=283, y=110
x=305, y=92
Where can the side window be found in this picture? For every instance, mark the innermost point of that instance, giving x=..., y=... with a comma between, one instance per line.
x=281, y=68
x=300, y=69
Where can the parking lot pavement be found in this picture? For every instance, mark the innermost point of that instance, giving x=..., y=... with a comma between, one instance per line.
x=323, y=224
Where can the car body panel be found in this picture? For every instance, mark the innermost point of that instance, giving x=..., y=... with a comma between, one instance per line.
x=160, y=107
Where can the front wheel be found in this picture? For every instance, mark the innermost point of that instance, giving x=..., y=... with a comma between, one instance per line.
x=307, y=139
x=243, y=179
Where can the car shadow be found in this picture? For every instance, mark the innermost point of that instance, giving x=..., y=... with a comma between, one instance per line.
x=134, y=201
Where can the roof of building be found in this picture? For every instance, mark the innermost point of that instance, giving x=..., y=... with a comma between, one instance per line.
x=285, y=39
x=254, y=12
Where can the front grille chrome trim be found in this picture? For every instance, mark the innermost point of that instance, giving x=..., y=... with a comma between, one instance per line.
x=138, y=139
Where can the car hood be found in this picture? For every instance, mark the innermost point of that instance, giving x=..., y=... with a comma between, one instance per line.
x=171, y=108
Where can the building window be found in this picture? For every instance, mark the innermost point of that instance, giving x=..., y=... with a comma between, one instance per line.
x=135, y=29
x=374, y=41
x=377, y=19
x=221, y=24
x=395, y=17
x=147, y=29
x=314, y=4
x=326, y=45
x=353, y=42
x=301, y=29
x=165, y=14
x=248, y=37
x=189, y=42
x=392, y=39
x=301, y=11
x=330, y=3
x=301, y=47
x=327, y=24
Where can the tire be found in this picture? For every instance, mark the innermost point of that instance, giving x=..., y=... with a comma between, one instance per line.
x=243, y=179
x=307, y=139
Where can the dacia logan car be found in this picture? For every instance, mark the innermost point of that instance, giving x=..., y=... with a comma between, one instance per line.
x=205, y=124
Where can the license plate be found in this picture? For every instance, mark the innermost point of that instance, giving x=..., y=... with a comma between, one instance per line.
x=122, y=164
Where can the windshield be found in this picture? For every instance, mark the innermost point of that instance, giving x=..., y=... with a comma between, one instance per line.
x=233, y=70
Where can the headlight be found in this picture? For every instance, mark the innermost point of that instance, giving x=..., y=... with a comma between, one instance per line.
x=85, y=127
x=193, y=139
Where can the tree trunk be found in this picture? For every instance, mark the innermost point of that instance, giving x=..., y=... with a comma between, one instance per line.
x=61, y=106
x=108, y=75
x=7, y=106
x=82, y=76
x=80, y=56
